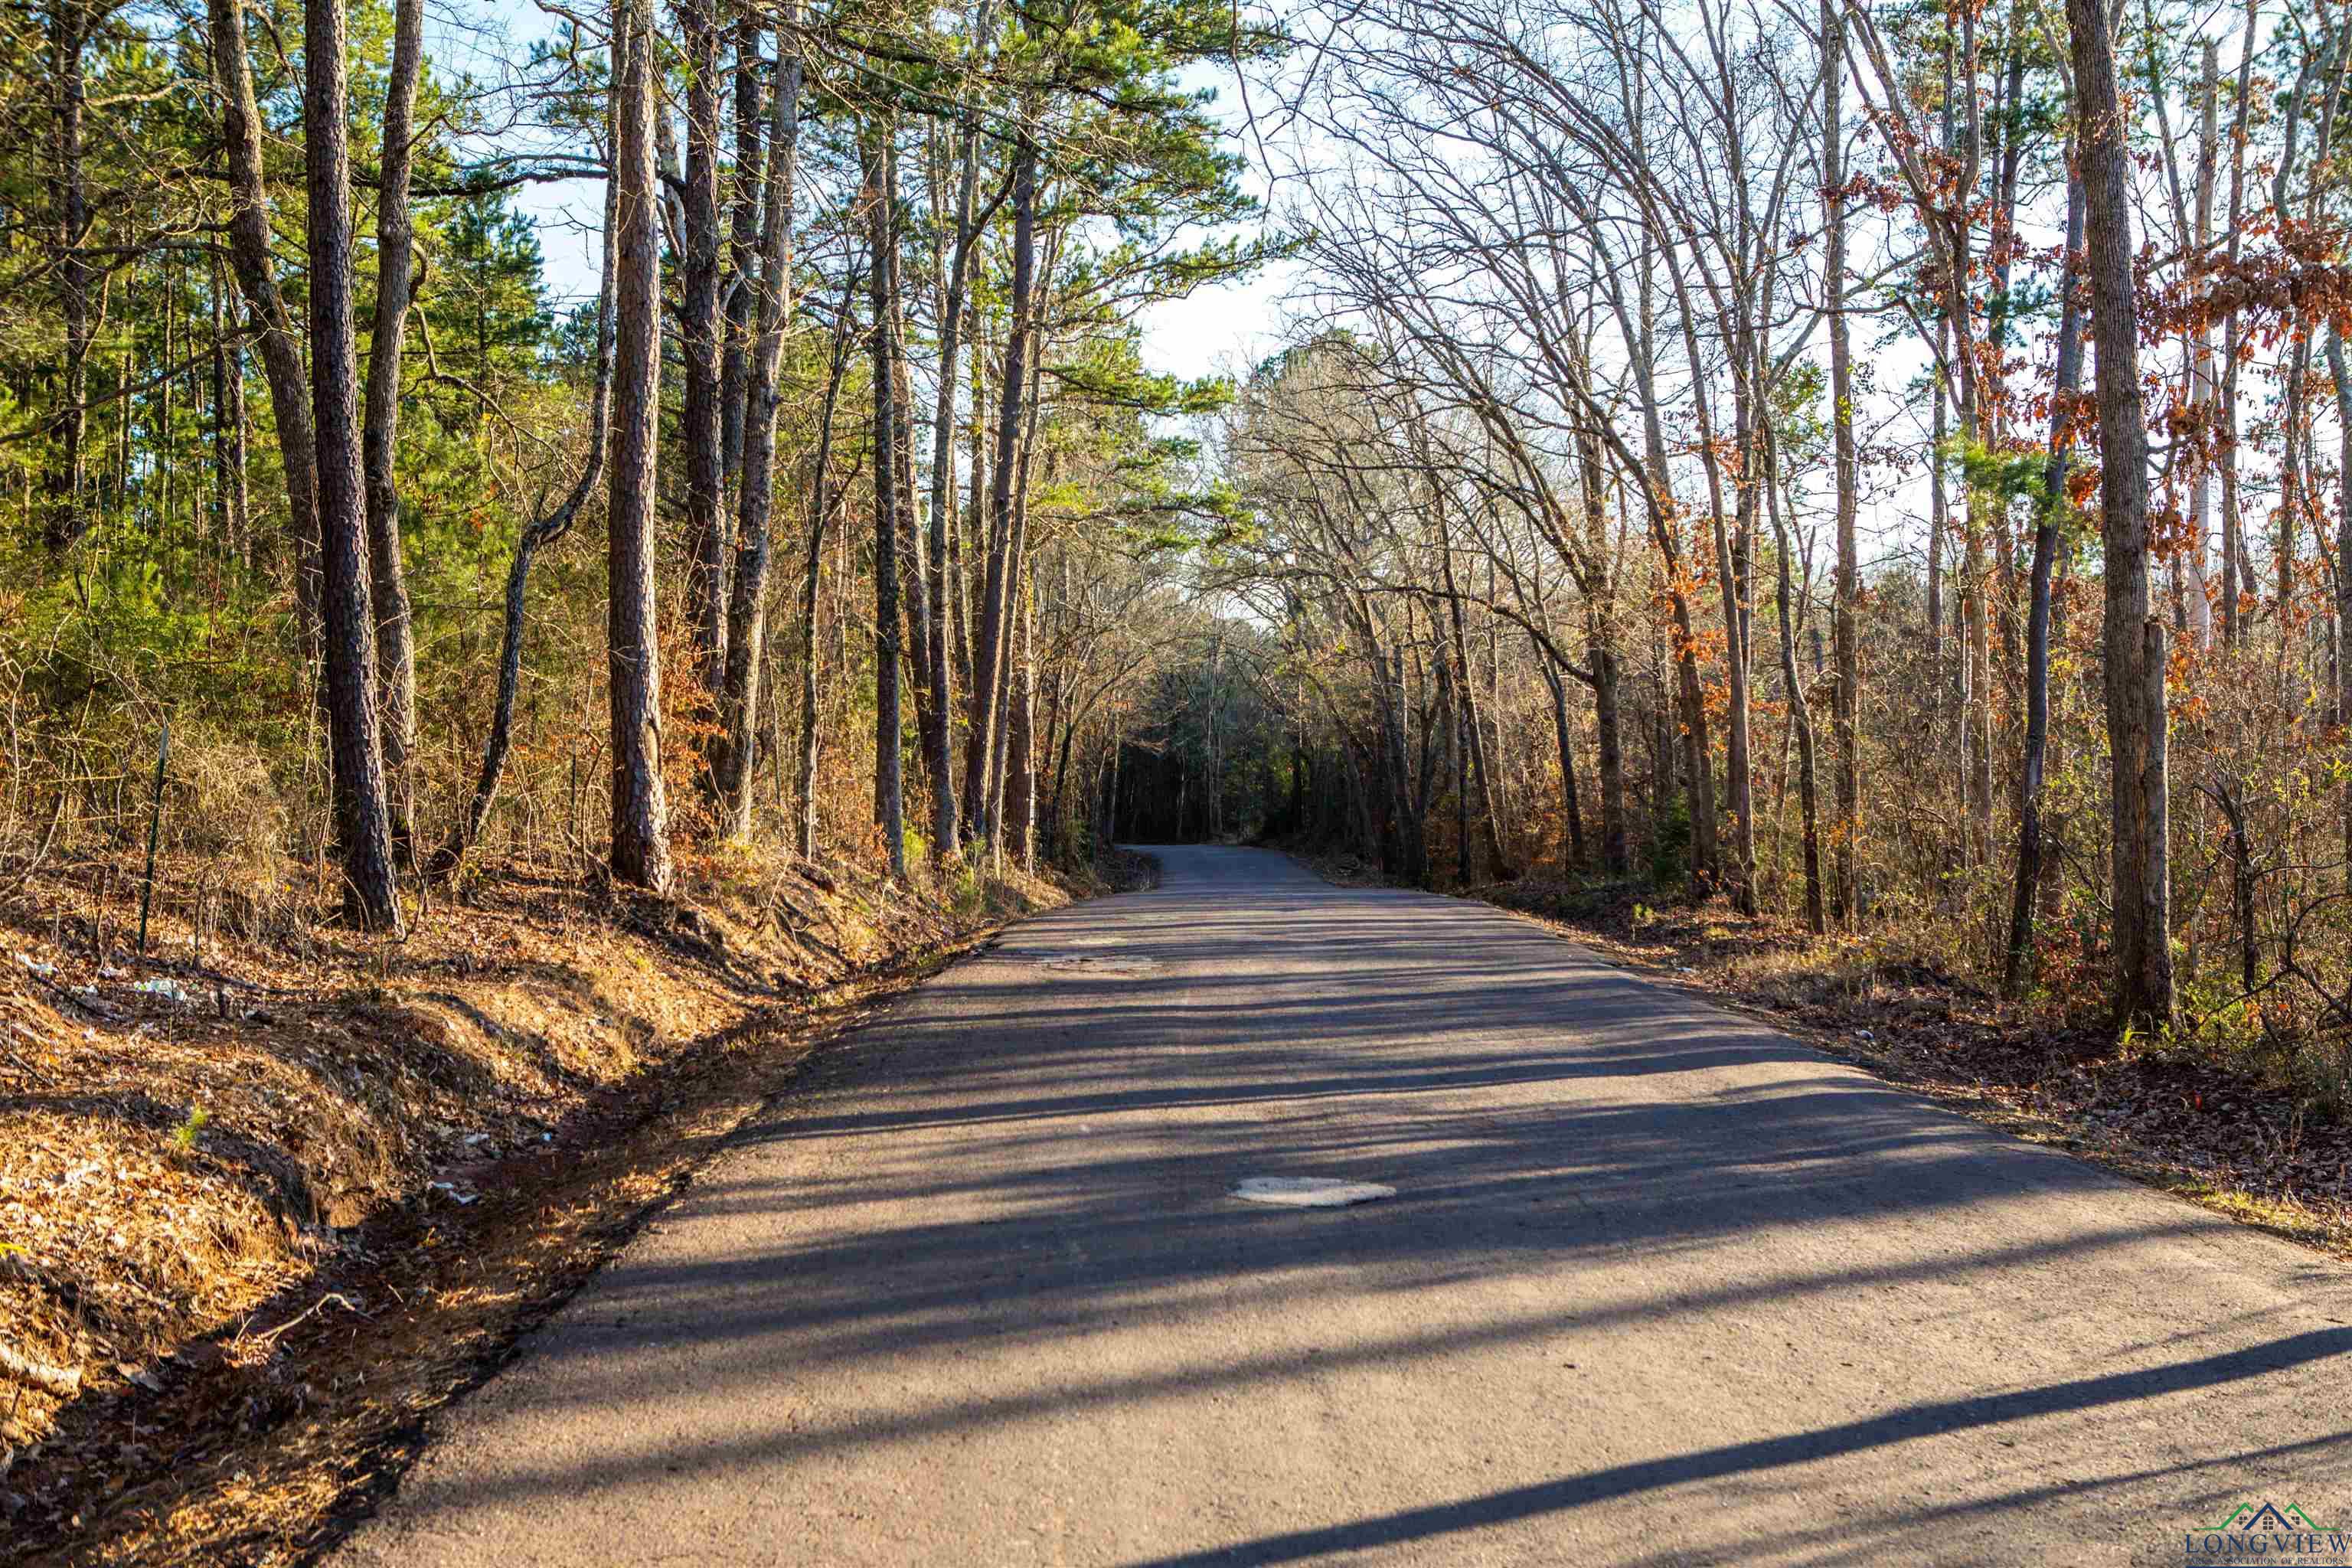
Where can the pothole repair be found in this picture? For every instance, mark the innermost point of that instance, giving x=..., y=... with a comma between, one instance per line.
x=1310, y=1192
x=1087, y=964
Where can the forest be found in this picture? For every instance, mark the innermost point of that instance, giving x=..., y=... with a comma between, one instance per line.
x=1874, y=473
x=1878, y=469
x=1691, y=457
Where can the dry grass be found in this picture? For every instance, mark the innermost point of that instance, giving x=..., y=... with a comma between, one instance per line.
x=264, y=1201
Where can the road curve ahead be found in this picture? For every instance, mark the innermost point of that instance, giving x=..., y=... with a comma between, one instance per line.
x=1658, y=1286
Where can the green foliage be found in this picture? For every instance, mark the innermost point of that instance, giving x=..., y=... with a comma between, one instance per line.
x=2001, y=478
x=184, y=1136
x=1670, y=841
x=486, y=311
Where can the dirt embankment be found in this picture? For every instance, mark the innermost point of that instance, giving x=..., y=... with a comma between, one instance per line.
x=272, y=1191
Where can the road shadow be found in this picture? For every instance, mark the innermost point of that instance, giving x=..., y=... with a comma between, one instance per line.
x=1037, y=1157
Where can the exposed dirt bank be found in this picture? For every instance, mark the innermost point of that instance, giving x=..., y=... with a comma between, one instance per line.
x=271, y=1193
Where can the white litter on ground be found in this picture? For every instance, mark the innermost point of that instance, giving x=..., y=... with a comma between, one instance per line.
x=1310, y=1192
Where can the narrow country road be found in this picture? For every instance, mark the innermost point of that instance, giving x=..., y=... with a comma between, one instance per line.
x=1658, y=1286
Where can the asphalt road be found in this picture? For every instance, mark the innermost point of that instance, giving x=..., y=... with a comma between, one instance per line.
x=1659, y=1286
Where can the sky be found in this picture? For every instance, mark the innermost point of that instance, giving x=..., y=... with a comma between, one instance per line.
x=1220, y=329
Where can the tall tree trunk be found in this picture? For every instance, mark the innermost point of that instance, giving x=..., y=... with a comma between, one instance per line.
x=2134, y=635
x=281, y=347
x=2237, y=568
x=988, y=651
x=228, y=416
x=1800, y=714
x=889, y=784
x=965, y=539
x=1021, y=762
x=641, y=854
x=1845, y=702
x=1449, y=725
x=1600, y=640
x=66, y=519
x=2342, y=376
x=363, y=818
x=2022, y=902
x=395, y=250
x=1016, y=557
x=1937, y=528
x=747, y=606
x=697, y=330
x=1564, y=738
x=743, y=252
x=2201, y=389
x=820, y=512
x=913, y=545
x=945, y=827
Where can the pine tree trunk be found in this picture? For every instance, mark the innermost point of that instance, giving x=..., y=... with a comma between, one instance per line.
x=395, y=249
x=2030, y=848
x=66, y=519
x=1846, y=703
x=913, y=544
x=251, y=259
x=889, y=784
x=743, y=252
x=988, y=644
x=747, y=586
x=362, y=819
x=2134, y=635
x=1021, y=764
x=944, y=591
x=640, y=809
x=699, y=408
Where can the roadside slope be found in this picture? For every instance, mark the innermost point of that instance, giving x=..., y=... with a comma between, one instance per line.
x=266, y=1194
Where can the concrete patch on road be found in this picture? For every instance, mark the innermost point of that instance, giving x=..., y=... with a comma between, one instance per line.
x=1086, y=963
x=1058, y=956
x=1310, y=1192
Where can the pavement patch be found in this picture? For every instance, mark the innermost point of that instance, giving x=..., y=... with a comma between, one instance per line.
x=1085, y=963
x=1309, y=1191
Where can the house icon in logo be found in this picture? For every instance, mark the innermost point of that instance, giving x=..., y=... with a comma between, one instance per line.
x=2268, y=1515
x=2263, y=1530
